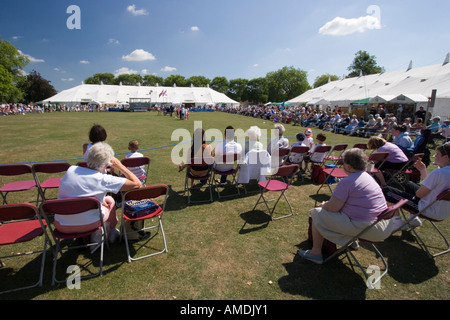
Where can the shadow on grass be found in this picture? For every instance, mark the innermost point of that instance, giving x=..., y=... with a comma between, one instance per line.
x=254, y=220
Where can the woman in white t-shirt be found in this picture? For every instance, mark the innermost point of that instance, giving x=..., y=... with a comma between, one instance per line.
x=421, y=196
x=94, y=182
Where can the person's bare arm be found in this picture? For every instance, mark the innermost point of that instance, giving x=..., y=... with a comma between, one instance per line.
x=132, y=181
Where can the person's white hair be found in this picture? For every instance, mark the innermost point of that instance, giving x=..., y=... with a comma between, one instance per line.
x=280, y=129
x=254, y=133
x=99, y=156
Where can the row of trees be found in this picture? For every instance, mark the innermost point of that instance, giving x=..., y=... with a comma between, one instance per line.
x=281, y=85
x=15, y=86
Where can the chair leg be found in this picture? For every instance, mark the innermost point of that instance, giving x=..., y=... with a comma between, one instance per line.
x=425, y=247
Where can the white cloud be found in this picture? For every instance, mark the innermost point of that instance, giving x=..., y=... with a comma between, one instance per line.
x=16, y=37
x=144, y=71
x=113, y=41
x=139, y=55
x=168, y=69
x=124, y=70
x=195, y=28
x=84, y=62
x=32, y=59
x=342, y=26
x=67, y=79
x=140, y=12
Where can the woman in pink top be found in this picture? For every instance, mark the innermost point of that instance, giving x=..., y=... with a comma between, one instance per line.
x=395, y=161
x=355, y=204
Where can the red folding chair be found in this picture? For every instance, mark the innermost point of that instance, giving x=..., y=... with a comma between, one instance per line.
x=296, y=156
x=13, y=170
x=132, y=163
x=19, y=223
x=274, y=185
x=230, y=159
x=378, y=158
x=362, y=146
x=199, y=163
x=340, y=148
x=73, y=206
x=385, y=215
x=150, y=192
x=82, y=164
x=443, y=196
x=42, y=170
x=320, y=150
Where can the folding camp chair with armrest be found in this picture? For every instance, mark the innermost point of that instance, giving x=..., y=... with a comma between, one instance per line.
x=443, y=196
x=274, y=185
x=385, y=215
x=149, y=192
x=19, y=223
x=40, y=170
x=401, y=176
x=72, y=206
x=12, y=170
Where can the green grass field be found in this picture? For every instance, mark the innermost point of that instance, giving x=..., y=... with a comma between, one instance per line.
x=216, y=251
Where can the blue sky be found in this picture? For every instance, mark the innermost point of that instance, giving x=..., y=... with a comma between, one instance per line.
x=232, y=38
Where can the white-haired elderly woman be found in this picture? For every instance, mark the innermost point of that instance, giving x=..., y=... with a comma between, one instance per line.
x=355, y=203
x=94, y=182
x=278, y=142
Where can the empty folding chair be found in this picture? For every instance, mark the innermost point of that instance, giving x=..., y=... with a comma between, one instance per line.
x=385, y=215
x=200, y=164
x=332, y=172
x=362, y=146
x=13, y=170
x=139, y=166
x=340, y=148
x=69, y=207
x=274, y=185
x=42, y=170
x=443, y=196
x=231, y=160
x=153, y=193
x=19, y=223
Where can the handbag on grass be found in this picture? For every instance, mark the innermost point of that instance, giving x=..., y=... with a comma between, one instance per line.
x=140, y=208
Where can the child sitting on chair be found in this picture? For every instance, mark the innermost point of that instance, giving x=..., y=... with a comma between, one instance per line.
x=133, y=146
x=316, y=157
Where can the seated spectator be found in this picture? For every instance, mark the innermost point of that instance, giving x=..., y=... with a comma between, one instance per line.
x=435, y=125
x=96, y=134
x=94, y=182
x=199, y=150
x=395, y=161
x=421, y=196
x=309, y=141
x=402, y=140
x=420, y=145
x=229, y=146
x=133, y=146
x=278, y=142
x=375, y=128
x=417, y=126
x=356, y=202
x=316, y=156
x=297, y=158
x=352, y=125
x=359, y=128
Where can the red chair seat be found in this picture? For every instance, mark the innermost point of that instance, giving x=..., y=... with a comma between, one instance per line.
x=336, y=172
x=51, y=183
x=18, y=186
x=156, y=213
x=64, y=235
x=274, y=185
x=20, y=232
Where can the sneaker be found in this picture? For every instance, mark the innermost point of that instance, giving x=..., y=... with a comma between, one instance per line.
x=414, y=223
x=354, y=246
x=397, y=224
x=96, y=237
x=305, y=254
x=113, y=236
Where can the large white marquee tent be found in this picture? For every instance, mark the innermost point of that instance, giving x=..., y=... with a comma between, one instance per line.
x=410, y=86
x=121, y=94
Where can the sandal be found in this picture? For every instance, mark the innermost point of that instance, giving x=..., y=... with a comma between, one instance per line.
x=305, y=254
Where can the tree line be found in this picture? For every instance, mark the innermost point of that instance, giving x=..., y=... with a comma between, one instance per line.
x=277, y=86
